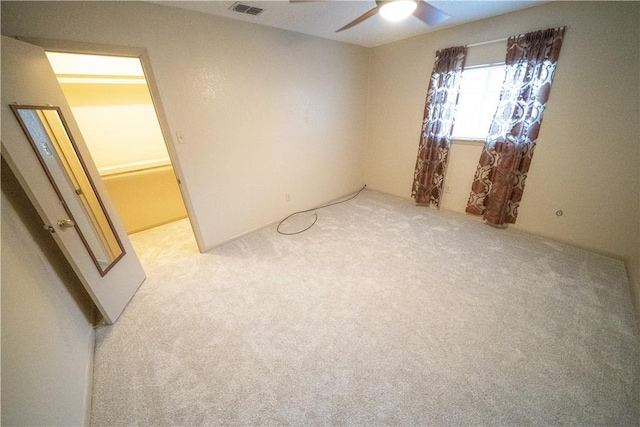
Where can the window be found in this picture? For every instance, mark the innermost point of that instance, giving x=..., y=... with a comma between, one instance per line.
x=478, y=101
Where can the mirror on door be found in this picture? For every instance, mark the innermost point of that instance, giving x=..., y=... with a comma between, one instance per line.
x=54, y=146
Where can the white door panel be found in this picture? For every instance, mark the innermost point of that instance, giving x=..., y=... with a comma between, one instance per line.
x=28, y=80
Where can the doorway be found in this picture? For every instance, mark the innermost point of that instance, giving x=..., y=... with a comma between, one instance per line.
x=112, y=104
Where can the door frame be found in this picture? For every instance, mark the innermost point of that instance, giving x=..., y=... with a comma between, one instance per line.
x=142, y=54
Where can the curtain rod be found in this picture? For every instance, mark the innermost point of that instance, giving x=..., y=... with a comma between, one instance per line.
x=504, y=39
x=489, y=42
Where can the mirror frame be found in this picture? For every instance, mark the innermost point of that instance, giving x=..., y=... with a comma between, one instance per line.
x=16, y=108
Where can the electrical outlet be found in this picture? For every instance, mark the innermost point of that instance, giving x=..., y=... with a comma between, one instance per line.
x=287, y=197
x=447, y=189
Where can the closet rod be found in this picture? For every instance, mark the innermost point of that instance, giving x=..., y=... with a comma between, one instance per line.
x=489, y=42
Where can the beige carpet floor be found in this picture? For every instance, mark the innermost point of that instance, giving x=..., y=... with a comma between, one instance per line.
x=382, y=313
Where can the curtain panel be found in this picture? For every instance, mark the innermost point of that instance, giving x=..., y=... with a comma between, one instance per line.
x=437, y=124
x=499, y=181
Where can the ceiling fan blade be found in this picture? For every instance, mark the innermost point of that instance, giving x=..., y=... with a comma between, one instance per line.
x=429, y=14
x=358, y=20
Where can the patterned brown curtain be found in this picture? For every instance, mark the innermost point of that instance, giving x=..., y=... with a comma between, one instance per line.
x=499, y=180
x=439, y=112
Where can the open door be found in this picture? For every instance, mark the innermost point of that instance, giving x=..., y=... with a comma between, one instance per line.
x=45, y=150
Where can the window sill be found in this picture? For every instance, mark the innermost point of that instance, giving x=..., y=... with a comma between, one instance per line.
x=467, y=141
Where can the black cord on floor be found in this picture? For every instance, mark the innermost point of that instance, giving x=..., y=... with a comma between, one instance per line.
x=315, y=214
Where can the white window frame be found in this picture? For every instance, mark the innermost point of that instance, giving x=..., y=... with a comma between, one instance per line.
x=490, y=100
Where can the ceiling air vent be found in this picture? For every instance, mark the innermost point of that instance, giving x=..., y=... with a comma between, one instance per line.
x=243, y=8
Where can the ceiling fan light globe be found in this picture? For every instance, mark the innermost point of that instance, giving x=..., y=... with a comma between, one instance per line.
x=397, y=10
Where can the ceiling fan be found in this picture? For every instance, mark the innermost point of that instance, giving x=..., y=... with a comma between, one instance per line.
x=396, y=10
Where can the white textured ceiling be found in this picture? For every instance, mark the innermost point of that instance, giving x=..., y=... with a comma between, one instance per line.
x=322, y=18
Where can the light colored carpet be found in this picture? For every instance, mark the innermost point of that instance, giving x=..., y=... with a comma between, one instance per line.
x=383, y=313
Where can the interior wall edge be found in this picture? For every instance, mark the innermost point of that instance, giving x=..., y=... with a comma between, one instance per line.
x=183, y=184
x=89, y=391
x=633, y=272
x=511, y=229
x=632, y=264
x=272, y=223
x=50, y=321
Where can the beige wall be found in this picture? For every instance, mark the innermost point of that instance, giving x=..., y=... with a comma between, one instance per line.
x=121, y=129
x=586, y=162
x=264, y=112
x=47, y=334
x=146, y=198
x=118, y=123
